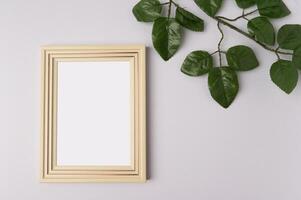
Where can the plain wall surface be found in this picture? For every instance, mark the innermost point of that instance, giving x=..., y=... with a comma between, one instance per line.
x=196, y=149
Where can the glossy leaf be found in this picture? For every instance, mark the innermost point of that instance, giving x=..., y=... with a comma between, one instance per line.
x=245, y=3
x=241, y=58
x=223, y=85
x=297, y=58
x=210, y=7
x=272, y=8
x=284, y=75
x=189, y=20
x=289, y=36
x=166, y=36
x=262, y=29
x=197, y=63
x=147, y=10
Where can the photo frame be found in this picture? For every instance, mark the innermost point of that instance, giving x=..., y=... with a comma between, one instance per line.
x=93, y=124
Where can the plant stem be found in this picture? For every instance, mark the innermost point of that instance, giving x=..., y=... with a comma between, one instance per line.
x=220, y=20
x=219, y=43
x=276, y=52
x=164, y=3
x=174, y=3
x=237, y=18
x=244, y=15
x=169, y=8
x=217, y=51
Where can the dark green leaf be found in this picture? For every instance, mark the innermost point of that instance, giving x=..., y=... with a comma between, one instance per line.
x=272, y=8
x=210, y=7
x=189, y=20
x=262, y=29
x=223, y=85
x=245, y=3
x=197, y=63
x=289, y=36
x=147, y=10
x=284, y=75
x=241, y=58
x=166, y=36
x=297, y=57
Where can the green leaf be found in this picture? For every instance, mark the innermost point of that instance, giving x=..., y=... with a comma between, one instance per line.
x=189, y=20
x=197, y=63
x=262, y=29
x=147, y=10
x=297, y=58
x=289, y=36
x=245, y=3
x=241, y=58
x=223, y=85
x=166, y=36
x=272, y=8
x=284, y=75
x=210, y=7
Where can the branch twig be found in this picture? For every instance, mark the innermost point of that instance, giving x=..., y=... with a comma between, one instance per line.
x=276, y=52
x=169, y=8
x=219, y=43
x=162, y=4
x=239, y=17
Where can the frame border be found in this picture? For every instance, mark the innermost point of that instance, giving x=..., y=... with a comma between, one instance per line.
x=50, y=172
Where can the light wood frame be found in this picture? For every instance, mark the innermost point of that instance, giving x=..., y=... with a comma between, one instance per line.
x=50, y=171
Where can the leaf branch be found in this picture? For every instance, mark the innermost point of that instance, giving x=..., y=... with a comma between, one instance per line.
x=222, y=21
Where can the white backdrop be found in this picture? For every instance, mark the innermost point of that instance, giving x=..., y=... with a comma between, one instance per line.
x=196, y=149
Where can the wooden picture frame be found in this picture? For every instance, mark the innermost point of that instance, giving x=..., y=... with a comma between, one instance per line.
x=52, y=59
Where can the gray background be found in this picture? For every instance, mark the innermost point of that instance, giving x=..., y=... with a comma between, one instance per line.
x=197, y=150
